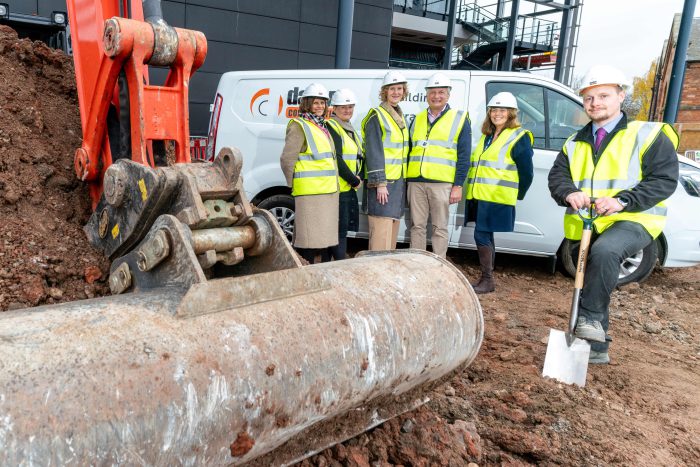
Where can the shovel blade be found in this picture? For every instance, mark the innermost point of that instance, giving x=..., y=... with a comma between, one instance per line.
x=565, y=363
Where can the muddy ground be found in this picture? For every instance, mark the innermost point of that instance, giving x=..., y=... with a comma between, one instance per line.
x=642, y=409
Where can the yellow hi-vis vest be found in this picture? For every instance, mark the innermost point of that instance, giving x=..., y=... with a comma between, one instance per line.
x=619, y=168
x=315, y=172
x=493, y=175
x=434, y=152
x=394, y=140
x=350, y=151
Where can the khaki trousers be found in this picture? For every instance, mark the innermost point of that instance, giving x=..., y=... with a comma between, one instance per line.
x=429, y=199
x=382, y=233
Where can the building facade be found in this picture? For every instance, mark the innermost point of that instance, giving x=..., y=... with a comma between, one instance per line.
x=688, y=120
x=250, y=35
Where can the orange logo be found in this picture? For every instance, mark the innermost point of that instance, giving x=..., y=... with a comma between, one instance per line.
x=259, y=101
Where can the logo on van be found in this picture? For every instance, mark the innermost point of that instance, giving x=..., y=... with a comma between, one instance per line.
x=259, y=101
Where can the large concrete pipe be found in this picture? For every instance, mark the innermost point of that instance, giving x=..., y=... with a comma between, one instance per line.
x=233, y=368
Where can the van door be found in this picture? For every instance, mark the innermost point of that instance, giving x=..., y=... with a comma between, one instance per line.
x=552, y=117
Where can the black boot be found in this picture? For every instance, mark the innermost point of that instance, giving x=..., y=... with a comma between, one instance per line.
x=486, y=259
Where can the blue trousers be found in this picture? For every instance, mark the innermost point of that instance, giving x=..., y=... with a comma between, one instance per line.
x=483, y=238
x=609, y=249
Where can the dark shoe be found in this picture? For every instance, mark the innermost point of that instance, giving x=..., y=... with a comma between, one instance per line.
x=598, y=358
x=476, y=282
x=487, y=285
x=589, y=330
x=486, y=256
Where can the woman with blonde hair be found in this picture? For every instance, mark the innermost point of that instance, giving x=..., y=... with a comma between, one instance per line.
x=500, y=174
x=308, y=163
x=387, y=143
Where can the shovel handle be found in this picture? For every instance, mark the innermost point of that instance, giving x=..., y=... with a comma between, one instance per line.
x=581, y=263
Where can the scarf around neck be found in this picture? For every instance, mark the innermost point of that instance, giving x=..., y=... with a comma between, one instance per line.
x=313, y=118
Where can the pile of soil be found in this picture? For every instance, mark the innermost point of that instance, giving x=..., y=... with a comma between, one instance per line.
x=642, y=409
x=44, y=254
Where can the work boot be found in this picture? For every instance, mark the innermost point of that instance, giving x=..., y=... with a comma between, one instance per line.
x=486, y=284
x=589, y=330
x=598, y=358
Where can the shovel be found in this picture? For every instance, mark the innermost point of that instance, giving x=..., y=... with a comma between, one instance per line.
x=567, y=356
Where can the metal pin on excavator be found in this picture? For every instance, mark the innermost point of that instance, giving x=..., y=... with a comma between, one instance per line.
x=217, y=346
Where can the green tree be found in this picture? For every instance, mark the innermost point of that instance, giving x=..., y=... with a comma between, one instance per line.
x=640, y=98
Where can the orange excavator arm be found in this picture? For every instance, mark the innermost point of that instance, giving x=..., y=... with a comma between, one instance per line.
x=122, y=115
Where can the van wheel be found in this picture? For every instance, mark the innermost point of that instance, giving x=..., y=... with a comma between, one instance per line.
x=282, y=207
x=635, y=268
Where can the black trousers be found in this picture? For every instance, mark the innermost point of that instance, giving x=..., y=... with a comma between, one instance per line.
x=609, y=249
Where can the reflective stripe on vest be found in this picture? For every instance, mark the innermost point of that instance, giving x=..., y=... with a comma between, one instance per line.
x=613, y=174
x=315, y=172
x=394, y=142
x=434, y=152
x=493, y=175
x=350, y=151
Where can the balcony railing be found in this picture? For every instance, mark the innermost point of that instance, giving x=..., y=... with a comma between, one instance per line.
x=437, y=9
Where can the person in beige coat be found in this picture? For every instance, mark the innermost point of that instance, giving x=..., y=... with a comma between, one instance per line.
x=308, y=163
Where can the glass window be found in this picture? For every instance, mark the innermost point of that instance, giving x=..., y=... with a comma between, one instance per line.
x=566, y=117
x=550, y=124
x=531, y=109
x=689, y=178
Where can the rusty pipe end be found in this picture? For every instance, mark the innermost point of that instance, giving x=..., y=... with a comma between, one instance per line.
x=112, y=38
x=81, y=161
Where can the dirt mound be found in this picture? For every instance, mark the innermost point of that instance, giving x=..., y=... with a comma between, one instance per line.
x=44, y=254
x=642, y=409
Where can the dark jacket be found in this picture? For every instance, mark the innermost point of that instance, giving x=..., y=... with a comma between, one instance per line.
x=343, y=170
x=659, y=171
x=464, y=151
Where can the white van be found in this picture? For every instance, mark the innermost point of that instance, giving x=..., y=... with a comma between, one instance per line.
x=251, y=110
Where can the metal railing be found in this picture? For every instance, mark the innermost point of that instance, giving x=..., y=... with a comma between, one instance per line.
x=491, y=29
x=488, y=28
x=428, y=8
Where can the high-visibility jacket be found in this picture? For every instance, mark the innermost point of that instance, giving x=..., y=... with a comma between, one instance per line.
x=493, y=175
x=619, y=168
x=315, y=172
x=351, y=152
x=394, y=140
x=434, y=152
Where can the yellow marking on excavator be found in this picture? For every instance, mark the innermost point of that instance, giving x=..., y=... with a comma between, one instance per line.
x=142, y=187
x=115, y=230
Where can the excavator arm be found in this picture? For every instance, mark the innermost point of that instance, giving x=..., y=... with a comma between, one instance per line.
x=122, y=115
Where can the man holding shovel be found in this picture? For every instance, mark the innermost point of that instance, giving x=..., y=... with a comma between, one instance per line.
x=628, y=168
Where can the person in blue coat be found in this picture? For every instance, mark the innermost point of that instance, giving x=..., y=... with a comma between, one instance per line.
x=500, y=173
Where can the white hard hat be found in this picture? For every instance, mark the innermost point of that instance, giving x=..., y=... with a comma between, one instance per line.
x=438, y=80
x=315, y=90
x=503, y=99
x=393, y=77
x=603, y=74
x=343, y=97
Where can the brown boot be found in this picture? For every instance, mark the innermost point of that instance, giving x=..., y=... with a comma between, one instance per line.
x=486, y=257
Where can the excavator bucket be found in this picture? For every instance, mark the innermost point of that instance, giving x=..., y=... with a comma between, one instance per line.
x=271, y=367
x=217, y=346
